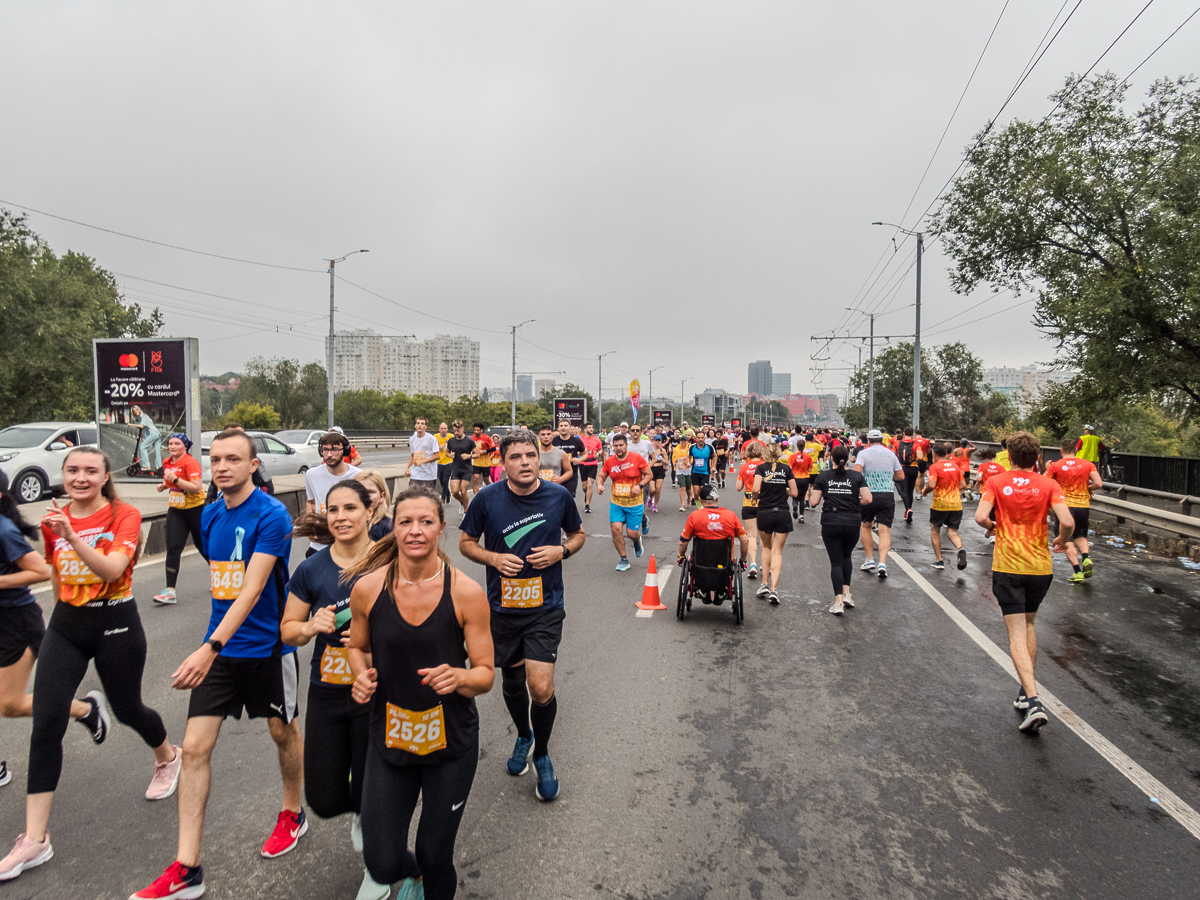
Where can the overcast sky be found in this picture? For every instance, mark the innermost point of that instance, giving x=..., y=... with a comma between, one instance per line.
x=689, y=184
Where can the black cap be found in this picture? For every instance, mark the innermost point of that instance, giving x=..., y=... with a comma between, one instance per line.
x=708, y=492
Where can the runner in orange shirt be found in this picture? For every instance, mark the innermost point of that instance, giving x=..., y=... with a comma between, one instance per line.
x=481, y=462
x=752, y=452
x=945, y=482
x=802, y=464
x=1078, y=478
x=1021, y=568
x=988, y=468
x=630, y=473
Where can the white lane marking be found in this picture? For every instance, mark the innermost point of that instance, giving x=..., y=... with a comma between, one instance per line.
x=663, y=577
x=155, y=561
x=1143, y=780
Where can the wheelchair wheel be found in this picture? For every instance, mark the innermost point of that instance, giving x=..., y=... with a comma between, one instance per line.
x=739, y=610
x=682, y=604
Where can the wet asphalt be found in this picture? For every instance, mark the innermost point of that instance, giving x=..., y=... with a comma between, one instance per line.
x=874, y=755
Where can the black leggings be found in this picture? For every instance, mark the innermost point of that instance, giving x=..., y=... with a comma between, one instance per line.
x=112, y=636
x=181, y=523
x=335, y=745
x=840, y=541
x=443, y=478
x=909, y=485
x=387, y=810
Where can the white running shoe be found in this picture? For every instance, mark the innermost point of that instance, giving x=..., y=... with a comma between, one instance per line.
x=868, y=566
x=836, y=607
x=25, y=855
x=371, y=889
x=356, y=840
x=847, y=600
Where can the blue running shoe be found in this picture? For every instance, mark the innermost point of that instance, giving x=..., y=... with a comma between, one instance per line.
x=645, y=524
x=623, y=565
x=518, y=763
x=410, y=889
x=637, y=548
x=547, y=784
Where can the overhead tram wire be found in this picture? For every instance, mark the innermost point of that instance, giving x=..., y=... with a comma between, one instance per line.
x=982, y=318
x=411, y=309
x=134, y=237
x=1125, y=80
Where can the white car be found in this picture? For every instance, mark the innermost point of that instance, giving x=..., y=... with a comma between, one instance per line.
x=32, y=455
x=305, y=442
x=274, y=456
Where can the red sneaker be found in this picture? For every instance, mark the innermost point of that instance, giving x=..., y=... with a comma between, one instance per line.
x=289, y=828
x=174, y=883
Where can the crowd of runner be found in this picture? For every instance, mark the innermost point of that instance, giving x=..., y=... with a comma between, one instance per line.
x=403, y=641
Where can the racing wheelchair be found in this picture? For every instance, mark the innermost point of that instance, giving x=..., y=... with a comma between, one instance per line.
x=710, y=573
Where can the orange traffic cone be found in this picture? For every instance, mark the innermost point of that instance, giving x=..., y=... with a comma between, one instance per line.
x=650, y=598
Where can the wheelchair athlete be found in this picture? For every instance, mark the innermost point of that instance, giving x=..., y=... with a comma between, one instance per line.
x=712, y=523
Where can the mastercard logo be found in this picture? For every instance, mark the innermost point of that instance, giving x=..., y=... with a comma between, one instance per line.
x=128, y=360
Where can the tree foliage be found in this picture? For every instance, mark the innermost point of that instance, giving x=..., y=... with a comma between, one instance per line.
x=1098, y=211
x=52, y=307
x=253, y=416
x=954, y=398
x=297, y=393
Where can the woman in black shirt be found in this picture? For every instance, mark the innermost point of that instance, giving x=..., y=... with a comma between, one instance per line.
x=774, y=483
x=845, y=492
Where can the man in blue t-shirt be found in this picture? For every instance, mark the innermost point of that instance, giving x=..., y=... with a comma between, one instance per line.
x=522, y=520
x=701, y=453
x=243, y=664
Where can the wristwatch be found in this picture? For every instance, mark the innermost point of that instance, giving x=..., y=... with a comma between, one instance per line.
x=216, y=645
x=566, y=552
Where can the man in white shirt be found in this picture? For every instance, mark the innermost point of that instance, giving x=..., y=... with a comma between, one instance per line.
x=423, y=458
x=318, y=481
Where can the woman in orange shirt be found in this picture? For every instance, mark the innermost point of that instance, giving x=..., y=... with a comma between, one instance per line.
x=185, y=503
x=91, y=545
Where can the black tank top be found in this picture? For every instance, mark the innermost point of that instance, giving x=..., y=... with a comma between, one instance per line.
x=411, y=724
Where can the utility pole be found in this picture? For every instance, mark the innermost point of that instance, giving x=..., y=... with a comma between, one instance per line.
x=650, y=424
x=916, y=422
x=513, y=396
x=600, y=390
x=329, y=352
x=681, y=404
x=871, y=400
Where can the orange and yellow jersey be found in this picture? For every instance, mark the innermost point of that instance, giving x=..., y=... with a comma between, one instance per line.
x=188, y=470
x=801, y=463
x=484, y=444
x=1073, y=474
x=626, y=476
x=812, y=448
x=987, y=469
x=746, y=477
x=112, y=528
x=713, y=523
x=1021, y=501
x=946, y=478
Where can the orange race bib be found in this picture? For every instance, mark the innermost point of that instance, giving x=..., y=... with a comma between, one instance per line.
x=521, y=593
x=418, y=458
x=420, y=733
x=626, y=489
x=176, y=499
x=335, y=666
x=546, y=474
x=73, y=570
x=227, y=578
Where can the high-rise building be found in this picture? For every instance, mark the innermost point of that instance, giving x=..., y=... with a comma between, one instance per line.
x=543, y=386
x=759, y=378
x=524, y=388
x=716, y=402
x=781, y=383
x=1024, y=385
x=446, y=366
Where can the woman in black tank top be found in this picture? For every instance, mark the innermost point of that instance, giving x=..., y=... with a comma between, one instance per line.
x=422, y=621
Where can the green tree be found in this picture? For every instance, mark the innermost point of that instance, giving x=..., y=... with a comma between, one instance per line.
x=52, y=307
x=253, y=416
x=1098, y=211
x=570, y=389
x=297, y=393
x=363, y=410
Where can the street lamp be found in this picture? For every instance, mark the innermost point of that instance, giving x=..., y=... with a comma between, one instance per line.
x=650, y=423
x=681, y=384
x=920, y=236
x=513, y=396
x=329, y=354
x=600, y=390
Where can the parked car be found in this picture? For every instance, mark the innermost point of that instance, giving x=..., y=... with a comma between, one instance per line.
x=274, y=456
x=32, y=455
x=304, y=441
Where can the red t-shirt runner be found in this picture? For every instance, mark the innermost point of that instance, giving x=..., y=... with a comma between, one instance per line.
x=591, y=446
x=987, y=469
x=1021, y=501
x=626, y=475
x=946, y=477
x=713, y=523
x=1073, y=474
x=746, y=477
x=188, y=470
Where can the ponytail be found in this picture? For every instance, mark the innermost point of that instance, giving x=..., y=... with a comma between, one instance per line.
x=840, y=455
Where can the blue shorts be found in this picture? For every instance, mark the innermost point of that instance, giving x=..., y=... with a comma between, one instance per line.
x=630, y=515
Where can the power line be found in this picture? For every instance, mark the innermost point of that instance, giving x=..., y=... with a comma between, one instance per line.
x=1160, y=46
x=981, y=318
x=134, y=237
x=414, y=310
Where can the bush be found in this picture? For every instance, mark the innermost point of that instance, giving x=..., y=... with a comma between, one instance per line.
x=253, y=416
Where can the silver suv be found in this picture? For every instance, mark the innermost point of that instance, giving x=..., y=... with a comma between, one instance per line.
x=32, y=455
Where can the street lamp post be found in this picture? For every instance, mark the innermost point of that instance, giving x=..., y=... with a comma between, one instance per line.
x=920, y=236
x=650, y=423
x=513, y=395
x=329, y=353
x=681, y=384
x=600, y=390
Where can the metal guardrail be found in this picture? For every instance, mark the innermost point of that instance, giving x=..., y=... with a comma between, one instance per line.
x=380, y=443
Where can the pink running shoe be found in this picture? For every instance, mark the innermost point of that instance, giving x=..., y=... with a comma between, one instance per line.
x=166, y=778
x=25, y=855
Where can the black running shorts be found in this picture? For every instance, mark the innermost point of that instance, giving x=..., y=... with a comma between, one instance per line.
x=266, y=688
x=1020, y=594
x=881, y=510
x=1081, y=515
x=587, y=473
x=518, y=636
x=749, y=512
x=774, y=521
x=20, y=627
x=658, y=473
x=950, y=518
x=699, y=479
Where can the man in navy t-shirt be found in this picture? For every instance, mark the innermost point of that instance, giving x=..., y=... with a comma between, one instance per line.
x=522, y=520
x=243, y=664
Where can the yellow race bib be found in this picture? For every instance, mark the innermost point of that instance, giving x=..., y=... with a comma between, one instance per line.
x=73, y=570
x=227, y=578
x=521, y=593
x=420, y=733
x=626, y=490
x=335, y=666
x=177, y=499
x=546, y=474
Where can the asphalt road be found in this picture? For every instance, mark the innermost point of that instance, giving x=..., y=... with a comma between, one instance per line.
x=798, y=755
